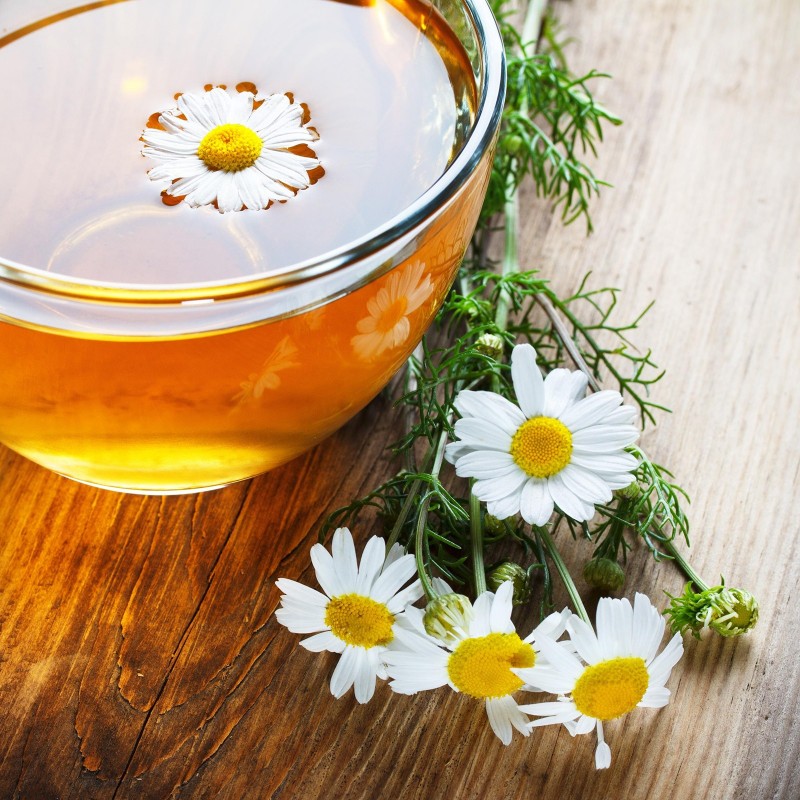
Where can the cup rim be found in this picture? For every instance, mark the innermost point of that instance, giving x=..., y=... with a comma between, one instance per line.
x=491, y=56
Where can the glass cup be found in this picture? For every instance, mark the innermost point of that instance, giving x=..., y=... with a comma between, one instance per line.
x=171, y=389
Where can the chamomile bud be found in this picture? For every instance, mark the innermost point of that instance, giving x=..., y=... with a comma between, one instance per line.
x=509, y=571
x=630, y=492
x=490, y=344
x=493, y=526
x=733, y=612
x=604, y=573
x=447, y=617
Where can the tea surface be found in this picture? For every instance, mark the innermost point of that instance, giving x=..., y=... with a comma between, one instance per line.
x=79, y=90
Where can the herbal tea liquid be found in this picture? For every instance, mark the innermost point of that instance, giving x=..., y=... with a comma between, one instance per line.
x=147, y=412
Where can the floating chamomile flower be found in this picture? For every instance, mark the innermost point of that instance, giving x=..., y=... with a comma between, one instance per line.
x=232, y=148
x=477, y=658
x=556, y=448
x=357, y=615
x=621, y=671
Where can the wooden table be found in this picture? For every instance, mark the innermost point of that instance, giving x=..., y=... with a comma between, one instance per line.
x=139, y=655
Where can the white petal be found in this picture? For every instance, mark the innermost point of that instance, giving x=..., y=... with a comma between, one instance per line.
x=572, y=505
x=584, y=640
x=559, y=659
x=551, y=626
x=584, y=725
x=662, y=665
x=602, y=756
x=482, y=433
x=500, y=614
x=402, y=599
x=301, y=592
x=503, y=713
x=346, y=670
x=486, y=464
x=323, y=641
x=587, y=486
x=491, y=489
x=228, y=198
x=562, y=389
x=614, y=627
x=605, y=463
x=490, y=406
x=393, y=577
x=544, y=678
x=591, y=409
x=240, y=108
x=604, y=438
x=648, y=627
x=372, y=558
x=656, y=697
x=505, y=507
x=366, y=672
x=396, y=551
x=528, y=382
x=326, y=572
x=298, y=622
x=343, y=551
x=480, y=624
x=560, y=719
x=536, y=504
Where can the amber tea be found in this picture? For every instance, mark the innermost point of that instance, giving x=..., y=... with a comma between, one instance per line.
x=215, y=247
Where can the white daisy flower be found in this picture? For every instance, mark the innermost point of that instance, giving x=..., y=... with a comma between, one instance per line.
x=622, y=670
x=556, y=448
x=387, y=325
x=217, y=145
x=357, y=615
x=477, y=659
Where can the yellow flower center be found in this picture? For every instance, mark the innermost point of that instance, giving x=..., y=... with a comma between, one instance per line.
x=359, y=621
x=611, y=688
x=231, y=147
x=392, y=315
x=481, y=667
x=542, y=446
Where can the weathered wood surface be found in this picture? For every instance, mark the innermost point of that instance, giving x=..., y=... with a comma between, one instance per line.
x=138, y=653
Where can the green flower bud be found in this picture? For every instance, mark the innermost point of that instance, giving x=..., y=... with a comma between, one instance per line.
x=490, y=344
x=732, y=612
x=447, y=617
x=493, y=526
x=630, y=492
x=509, y=571
x=513, y=144
x=603, y=573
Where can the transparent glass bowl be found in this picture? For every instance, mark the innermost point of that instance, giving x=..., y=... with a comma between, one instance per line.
x=170, y=389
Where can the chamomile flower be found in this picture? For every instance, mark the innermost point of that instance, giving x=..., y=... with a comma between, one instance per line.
x=620, y=670
x=218, y=146
x=476, y=657
x=387, y=325
x=357, y=614
x=282, y=357
x=556, y=448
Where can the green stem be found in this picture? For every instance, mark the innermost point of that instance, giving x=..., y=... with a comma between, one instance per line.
x=685, y=566
x=569, y=584
x=510, y=259
x=420, y=535
x=476, y=531
x=419, y=555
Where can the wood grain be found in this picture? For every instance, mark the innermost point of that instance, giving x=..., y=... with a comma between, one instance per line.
x=139, y=657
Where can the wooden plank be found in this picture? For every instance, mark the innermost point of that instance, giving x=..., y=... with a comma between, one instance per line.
x=139, y=657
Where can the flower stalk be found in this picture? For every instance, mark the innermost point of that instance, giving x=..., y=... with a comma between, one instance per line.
x=561, y=567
